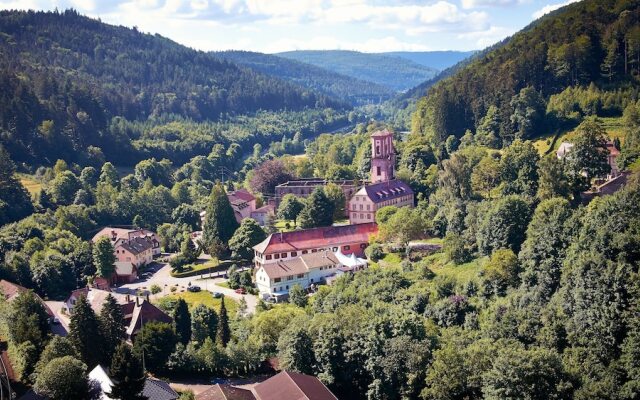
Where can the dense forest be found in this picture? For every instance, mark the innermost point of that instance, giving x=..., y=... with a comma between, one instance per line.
x=589, y=42
x=65, y=77
x=395, y=73
x=347, y=88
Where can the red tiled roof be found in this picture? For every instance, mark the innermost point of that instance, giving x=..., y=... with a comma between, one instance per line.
x=243, y=194
x=136, y=246
x=225, y=392
x=10, y=290
x=292, y=386
x=327, y=236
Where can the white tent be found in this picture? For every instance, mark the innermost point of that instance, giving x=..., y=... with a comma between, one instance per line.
x=351, y=261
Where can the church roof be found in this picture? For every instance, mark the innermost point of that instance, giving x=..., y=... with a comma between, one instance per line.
x=383, y=191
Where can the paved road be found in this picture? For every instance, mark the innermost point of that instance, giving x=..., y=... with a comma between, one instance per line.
x=164, y=279
x=62, y=328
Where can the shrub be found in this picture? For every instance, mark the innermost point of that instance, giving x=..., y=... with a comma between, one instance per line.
x=374, y=252
x=155, y=289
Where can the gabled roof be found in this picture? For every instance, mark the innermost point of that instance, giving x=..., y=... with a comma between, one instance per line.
x=155, y=389
x=136, y=246
x=143, y=313
x=122, y=233
x=99, y=375
x=301, y=264
x=328, y=236
x=383, y=191
x=241, y=194
x=225, y=392
x=292, y=386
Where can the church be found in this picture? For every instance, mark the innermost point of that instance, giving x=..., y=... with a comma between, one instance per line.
x=384, y=189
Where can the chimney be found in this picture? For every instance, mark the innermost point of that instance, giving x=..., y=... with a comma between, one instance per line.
x=137, y=301
x=128, y=298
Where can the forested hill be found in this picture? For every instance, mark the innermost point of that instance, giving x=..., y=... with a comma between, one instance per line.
x=439, y=60
x=346, y=88
x=64, y=77
x=508, y=89
x=395, y=73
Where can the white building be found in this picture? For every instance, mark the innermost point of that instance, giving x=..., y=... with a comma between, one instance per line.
x=274, y=280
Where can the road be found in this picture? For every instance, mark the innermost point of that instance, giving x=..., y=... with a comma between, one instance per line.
x=62, y=328
x=164, y=279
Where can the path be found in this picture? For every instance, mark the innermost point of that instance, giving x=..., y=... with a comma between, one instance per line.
x=164, y=280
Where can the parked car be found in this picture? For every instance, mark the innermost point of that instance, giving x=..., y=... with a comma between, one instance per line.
x=217, y=295
x=241, y=290
x=56, y=321
x=193, y=289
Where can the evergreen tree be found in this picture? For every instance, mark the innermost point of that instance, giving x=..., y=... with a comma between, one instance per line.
x=246, y=236
x=318, y=211
x=112, y=325
x=15, y=203
x=127, y=374
x=204, y=323
x=290, y=207
x=85, y=333
x=188, y=249
x=224, y=332
x=220, y=222
x=154, y=343
x=182, y=322
x=335, y=194
x=104, y=257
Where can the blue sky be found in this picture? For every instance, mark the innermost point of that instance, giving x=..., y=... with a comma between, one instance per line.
x=280, y=25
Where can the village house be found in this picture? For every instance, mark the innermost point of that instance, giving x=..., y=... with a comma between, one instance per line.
x=10, y=291
x=261, y=215
x=283, y=386
x=125, y=272
x=384, y=189
x=119, y=235
x=137, y=310
x=612, y=156
x=288, y=245
x=274, y=280
x=137, y=251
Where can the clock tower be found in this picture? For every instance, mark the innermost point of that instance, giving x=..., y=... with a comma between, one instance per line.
x=383, y=157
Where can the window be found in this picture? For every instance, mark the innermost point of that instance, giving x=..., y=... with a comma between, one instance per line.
x=368, y=207
x=294, y=253
x=290, y=277
x=363, y=245
x=287, y=287
x=283, y=255
x=335, y=249
x=311, y=280
x=269, y=257
x=378, y=150
x=378, y=172
x=304, y=251
x=300, y=276
x=347, y=247
x=276, y=256
x=314, y=251
x=361, y=207
x=276, y=280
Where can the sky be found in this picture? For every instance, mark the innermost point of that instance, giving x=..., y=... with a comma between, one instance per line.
x=271, y=26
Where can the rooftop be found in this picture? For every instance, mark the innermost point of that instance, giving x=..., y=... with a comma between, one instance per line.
x=328, y=236
x=225, y=392
x=315, y=182
x=291, y=385
x=136, y=245
x=379, y=192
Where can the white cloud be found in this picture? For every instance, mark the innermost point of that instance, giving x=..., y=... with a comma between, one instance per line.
x=551, y=7
x=491, y=3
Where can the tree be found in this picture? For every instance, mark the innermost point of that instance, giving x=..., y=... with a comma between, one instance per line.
x=220, y=222
x=112, y=325
x=224, y=332
x=63, y=188
x=528, y=112
x=501, y=272
x=85, y=333
x=295, y=349
x=290, y=206
x=318, y=211
x=58, y=346
x=109, y=175
x=298, y=296
x=63, y=378
x=519, y=169
x=15, y=203
x=182, y=321
x=587, y=158
x=335, y=194
x=104, y=257
x=503, y=226
x=403, y=226
x=456, y=249
x=154, y=343
x=204, y=323
x=127, y=374
x=245, y=237
x=488, y=132
x=486, y=176
x=188, y=249
x=268, y=175
x=27, y=320
x=553, y=181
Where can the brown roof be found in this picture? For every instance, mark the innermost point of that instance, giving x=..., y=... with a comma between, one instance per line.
x=292, y=386
x=10, y=290
x=312, y=182
x=144, y=313
x=122, y=233
x=242, y=194
x=136, y=245
x=328, y=236
x=383, y=191
x=225, y=392
x=301, y=264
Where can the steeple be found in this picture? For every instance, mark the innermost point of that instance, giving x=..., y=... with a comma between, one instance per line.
x=383, y=157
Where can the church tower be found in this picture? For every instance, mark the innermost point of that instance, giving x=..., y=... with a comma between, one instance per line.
x=383, y=157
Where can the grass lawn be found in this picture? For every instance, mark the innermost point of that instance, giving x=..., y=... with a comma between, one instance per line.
x=202, y=297
x=30, y=184
x=194, y=269
x=613, y=126
x=463, y=273
x=223, y=284
x=391, y=260
x=281, y=225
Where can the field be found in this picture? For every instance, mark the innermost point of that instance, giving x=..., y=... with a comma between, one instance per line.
x=212, y=265
x=545, y=143
x=30, y=184
x=202, y=297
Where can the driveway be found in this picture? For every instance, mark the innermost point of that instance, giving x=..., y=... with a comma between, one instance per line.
x=62, y=328
x=207, y=282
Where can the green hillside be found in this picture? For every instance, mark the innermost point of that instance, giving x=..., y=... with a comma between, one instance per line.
x=346, y=88
x=395, y=73
x=506, y=92
x=68, y=82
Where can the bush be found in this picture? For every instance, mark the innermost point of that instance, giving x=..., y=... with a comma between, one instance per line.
x=456, y=249
x=178, y=262
x=155, y=289
x=374, y=252
x=173, y=289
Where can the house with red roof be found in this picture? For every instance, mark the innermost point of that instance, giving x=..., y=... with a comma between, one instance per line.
x=349, y=239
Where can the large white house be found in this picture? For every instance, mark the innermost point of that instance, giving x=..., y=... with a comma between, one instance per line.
x=274, y=280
